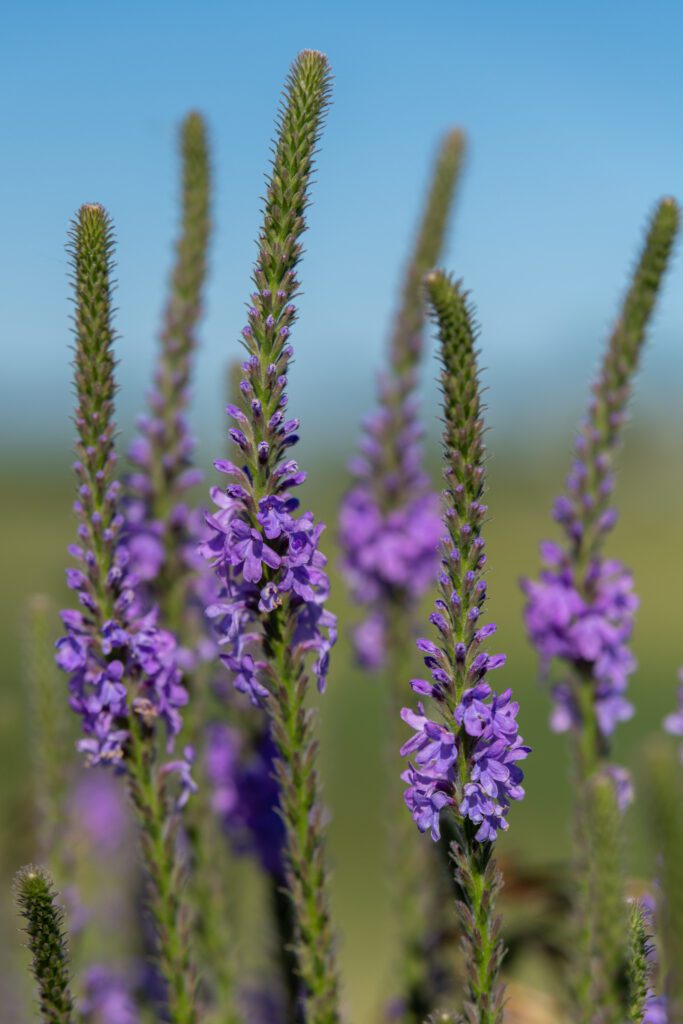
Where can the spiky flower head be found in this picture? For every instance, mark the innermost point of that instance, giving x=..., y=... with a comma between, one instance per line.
x=47, y=943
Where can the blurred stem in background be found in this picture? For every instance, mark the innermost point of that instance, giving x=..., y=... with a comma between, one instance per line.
x=664, y=801
x=390, y=527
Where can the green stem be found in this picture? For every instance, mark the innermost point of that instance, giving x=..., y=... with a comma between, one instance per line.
x=307, y=877
x=478, y=881
x=163, y=868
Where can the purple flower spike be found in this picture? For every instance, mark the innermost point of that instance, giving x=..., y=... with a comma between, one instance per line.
x=480, y=785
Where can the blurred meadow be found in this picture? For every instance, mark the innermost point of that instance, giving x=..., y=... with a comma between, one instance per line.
x=569, y=144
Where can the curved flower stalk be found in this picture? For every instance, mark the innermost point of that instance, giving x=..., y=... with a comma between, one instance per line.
x=37, y=903
x=466, y=745
x=271, y=612
x=161, y=531
x=123, y=677
x=389, y=521
x=581, y=610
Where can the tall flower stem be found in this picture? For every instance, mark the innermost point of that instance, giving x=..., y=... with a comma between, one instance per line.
x=465, y=758
x=123, y=677
x=476, y=874
x=581, y=610
x=270, y=611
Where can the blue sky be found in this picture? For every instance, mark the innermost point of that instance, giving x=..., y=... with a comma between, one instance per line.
x=573, y=116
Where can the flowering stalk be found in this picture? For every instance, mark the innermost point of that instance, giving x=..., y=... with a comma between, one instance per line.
x=123, y=677
x=270, y=612
x=466, y=763
x=582, y=608
x=37, y=903
x=389, y=521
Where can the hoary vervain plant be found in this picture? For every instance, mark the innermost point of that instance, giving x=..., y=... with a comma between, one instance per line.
x=270, y=613
x=581, y=610
x=464, y=758
x=123, y=678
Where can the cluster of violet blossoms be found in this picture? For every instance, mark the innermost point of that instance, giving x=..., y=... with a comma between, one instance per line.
x=590, y=633
x=259, y=566
x=101, y=659
x=487, y=731
x=389, y=547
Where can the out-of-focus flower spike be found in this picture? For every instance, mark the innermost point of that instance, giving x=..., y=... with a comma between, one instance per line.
x=47, y=943
x=407, y=336
x=389, y=525
x=162, y=532
x=271, y=613
x=581, y=610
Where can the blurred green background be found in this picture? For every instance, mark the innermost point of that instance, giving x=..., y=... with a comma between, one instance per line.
x=524, y=476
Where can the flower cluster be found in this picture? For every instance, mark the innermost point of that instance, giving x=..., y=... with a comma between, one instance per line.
x=245, y=794
x=389, y=526
x=589, y=629
x=266, y=554
x=484, y=730
x=118, y=665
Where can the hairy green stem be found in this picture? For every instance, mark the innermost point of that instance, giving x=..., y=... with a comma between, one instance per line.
x=165, y=876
